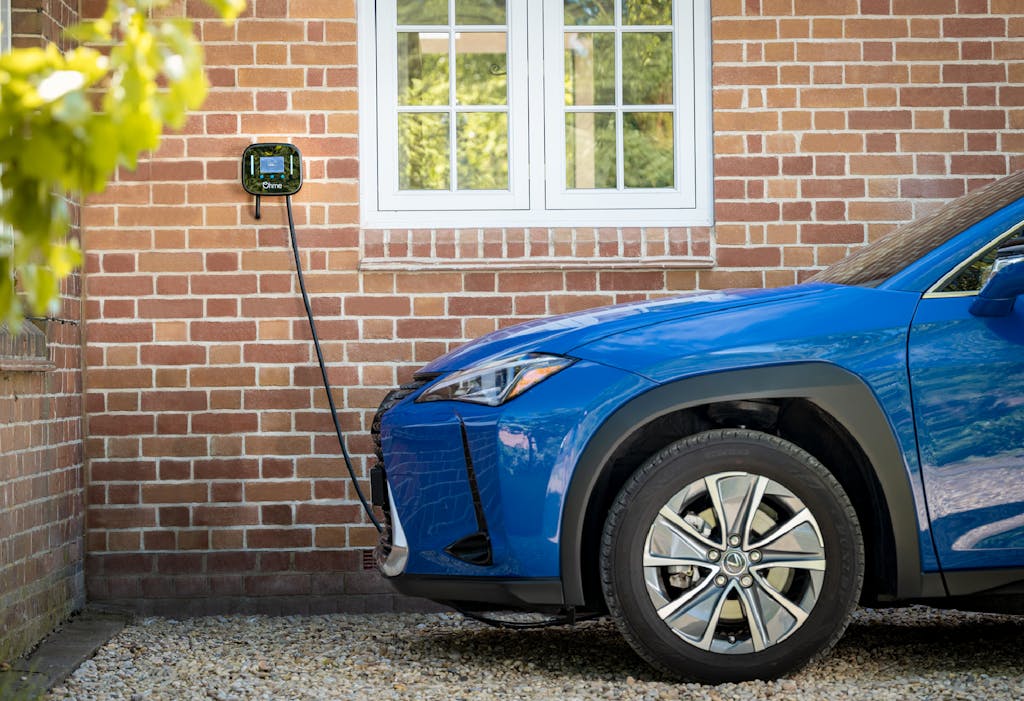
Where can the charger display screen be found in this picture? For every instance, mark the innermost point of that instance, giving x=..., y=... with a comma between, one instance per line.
x=271, y=164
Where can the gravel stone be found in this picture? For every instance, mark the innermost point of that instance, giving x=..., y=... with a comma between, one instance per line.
x=909, y=653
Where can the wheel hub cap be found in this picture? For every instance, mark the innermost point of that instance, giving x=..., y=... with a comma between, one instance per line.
x=734, y=563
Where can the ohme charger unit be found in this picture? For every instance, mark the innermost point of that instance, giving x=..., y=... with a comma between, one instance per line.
x=271, y=169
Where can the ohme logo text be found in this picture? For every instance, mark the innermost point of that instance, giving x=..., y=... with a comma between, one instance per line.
x=272, y=186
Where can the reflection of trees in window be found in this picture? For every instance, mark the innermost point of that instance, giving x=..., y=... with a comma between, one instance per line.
x=593, y=89
x=481, y=137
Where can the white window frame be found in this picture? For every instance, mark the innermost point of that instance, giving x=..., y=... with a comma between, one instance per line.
x=537, y=196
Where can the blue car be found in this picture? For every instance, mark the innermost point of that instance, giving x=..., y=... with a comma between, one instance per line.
x=728, y=474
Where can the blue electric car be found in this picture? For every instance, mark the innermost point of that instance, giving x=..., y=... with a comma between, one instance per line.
x=728, y=474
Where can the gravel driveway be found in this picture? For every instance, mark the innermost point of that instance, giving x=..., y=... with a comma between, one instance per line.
x=914, y=653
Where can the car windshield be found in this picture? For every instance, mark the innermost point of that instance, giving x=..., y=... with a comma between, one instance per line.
x=884, y=258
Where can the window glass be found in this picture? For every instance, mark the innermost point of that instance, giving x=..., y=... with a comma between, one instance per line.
x=589, y=68
x=646, y=12
x=589, y=12
x=973, y=277
x=648, y=149
x=422, y=68
x=590, y=150
x=480, y=11
x=423, y=160
x=422, y=11
x=647, y=62
x=483, y=151
x=481, y=68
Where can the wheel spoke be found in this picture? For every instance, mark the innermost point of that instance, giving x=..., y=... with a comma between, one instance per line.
x=793, y=609
x=791, y=563
x=753, y=502
x=686, y=532
x=655, y=560
x=773, y=539
x=735, y=497
x=755, y=616
x=712, y=627
x=695, y=614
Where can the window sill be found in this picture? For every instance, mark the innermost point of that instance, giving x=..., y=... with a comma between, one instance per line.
x=25, y=351
x=447, y=250
x=549, y=263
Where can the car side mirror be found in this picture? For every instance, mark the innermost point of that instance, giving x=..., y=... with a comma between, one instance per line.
x=1004, y=283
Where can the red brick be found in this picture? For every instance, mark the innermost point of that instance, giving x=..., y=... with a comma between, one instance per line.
x=748, y=257
x=122, y=517
x=479, y=306
x=832, y=233
x=277, y=491
x=974, y=27
x=977, y=119
x=747, y=211
x=830, y=188
x=931, y=97
x=277, y=538
x=934, y=188
x=182, y=493
x=225, y=515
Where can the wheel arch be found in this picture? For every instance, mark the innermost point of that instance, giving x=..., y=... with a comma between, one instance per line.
x=845, y=410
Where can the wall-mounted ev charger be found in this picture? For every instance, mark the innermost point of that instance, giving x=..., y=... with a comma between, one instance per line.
x=276, y=169
x=271, y=169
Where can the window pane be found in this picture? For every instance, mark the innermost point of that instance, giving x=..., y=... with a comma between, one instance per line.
x=590, y=150
x=589, y=68
x=589, y=12
x=483, y=151
x=423, y=155
x=423, y=11
x=481, y=68
x=646, y=12
x=648, y=149
x=647, y=68
x=480, y=11
x=422, y=68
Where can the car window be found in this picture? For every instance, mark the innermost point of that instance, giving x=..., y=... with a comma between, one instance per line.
x=889, y=255
x=972, y=277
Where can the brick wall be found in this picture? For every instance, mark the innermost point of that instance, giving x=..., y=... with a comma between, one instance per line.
x=213, y=477
x=41, y=425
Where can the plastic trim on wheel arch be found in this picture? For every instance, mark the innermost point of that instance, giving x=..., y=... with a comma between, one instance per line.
x=835, y=390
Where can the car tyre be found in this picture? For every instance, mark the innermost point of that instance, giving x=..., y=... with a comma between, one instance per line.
x=731, y=555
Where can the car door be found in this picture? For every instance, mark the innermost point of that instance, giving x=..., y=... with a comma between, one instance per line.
x=967, y=378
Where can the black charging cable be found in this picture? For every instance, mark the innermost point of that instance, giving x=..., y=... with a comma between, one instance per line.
x=323, y=369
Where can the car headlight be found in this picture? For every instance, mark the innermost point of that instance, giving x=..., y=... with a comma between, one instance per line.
x=498, y=381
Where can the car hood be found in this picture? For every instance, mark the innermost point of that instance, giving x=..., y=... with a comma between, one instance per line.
x=561, y=334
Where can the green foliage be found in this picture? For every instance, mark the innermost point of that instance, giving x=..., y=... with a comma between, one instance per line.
x=68, y=120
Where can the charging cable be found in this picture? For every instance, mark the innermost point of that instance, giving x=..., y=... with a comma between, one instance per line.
x=323, y=369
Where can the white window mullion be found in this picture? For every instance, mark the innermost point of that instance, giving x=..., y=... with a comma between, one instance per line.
x=620, y=148
x=453, y=162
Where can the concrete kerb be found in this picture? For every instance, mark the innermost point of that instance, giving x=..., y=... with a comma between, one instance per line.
x=63, y=651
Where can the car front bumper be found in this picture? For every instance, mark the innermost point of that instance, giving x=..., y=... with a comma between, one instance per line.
x=473, y=495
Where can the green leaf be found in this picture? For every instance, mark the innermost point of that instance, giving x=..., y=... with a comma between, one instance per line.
x=56, y=136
